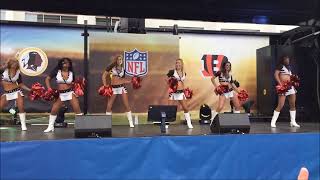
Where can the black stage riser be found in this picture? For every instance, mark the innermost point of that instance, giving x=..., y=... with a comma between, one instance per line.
x=93, y=126
x=303, y=65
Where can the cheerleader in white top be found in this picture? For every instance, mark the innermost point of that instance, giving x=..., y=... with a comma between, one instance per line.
x=12, y=84
x=179, y=74
x=226, y=80
x=63, y=74
x=282, y=74
x=116, y=71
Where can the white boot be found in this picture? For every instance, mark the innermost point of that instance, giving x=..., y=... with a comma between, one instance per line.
x=52, y=119
x=108, y=113
x=293, y=122
x=274, y=118
x=22, y=117
x=188, y=119
x=129, y=116
x=213, y=115
x=236, y=112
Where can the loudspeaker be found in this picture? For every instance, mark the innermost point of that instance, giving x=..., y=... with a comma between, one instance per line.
x=92, y=126
x=132, y=25
x=231, y=123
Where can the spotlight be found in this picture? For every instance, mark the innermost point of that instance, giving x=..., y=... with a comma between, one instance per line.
x=260, y=19
x=14, y=112
x=205, y=114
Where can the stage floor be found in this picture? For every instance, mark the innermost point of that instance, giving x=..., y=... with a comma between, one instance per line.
x=35, y=132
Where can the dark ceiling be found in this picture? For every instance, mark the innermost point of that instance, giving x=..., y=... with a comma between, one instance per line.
x=270, y=11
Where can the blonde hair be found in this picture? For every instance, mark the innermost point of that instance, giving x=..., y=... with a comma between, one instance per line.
x=182, y=63
x=10, y=63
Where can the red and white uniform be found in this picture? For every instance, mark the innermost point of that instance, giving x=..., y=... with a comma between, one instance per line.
x=286, y=71
x=118, y=89
x=229, y=79
x=179, y=94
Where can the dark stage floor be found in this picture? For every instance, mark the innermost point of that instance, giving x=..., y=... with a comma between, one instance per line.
x=35, y=132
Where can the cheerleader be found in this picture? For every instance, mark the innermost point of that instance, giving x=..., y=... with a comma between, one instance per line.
x=64, y=76
x=225, y=80
x=116, y=71
x=282, y=74
x=12, y=84
x=179, y=74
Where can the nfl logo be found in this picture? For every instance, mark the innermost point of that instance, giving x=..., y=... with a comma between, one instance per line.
x=136, y=63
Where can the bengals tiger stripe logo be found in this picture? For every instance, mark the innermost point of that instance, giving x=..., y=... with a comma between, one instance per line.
x=211, y=64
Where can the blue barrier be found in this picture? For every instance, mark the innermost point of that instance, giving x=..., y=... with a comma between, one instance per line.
x=236, y=157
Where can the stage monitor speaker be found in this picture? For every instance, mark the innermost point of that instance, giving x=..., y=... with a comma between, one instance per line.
x=231, y=123
x=92, y=126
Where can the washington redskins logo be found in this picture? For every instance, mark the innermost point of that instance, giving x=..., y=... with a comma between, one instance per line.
x=33, y=61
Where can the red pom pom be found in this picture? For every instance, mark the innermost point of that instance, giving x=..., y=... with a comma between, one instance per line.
x=51, y=95
x=188, y=93
x=136, y=82
x=295, y=80
x=173, y=85
x=32, y=97
x=243, y=95
x=78, y=86
x=105, y=91
x=37, y=91
x=221, y=89
x=282, y=89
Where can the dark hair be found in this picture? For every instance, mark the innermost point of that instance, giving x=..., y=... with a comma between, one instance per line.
x=223, y=69
x=281, y=63
x=235, y=82
x=60, y=64
x=282, y=58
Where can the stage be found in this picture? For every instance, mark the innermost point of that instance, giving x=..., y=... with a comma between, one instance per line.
x=35, y=132
x=144, y=153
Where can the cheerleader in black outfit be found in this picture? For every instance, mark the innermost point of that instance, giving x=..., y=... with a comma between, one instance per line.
x=225, y=79
x=282, y=74
x=64, y=76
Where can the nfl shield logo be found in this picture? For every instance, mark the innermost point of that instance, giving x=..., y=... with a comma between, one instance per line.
x=136, y=63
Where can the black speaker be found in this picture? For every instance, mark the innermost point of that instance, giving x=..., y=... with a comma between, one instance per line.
x=231, y=123
x=92, y=126
x=132, y=25
x=303, y=64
